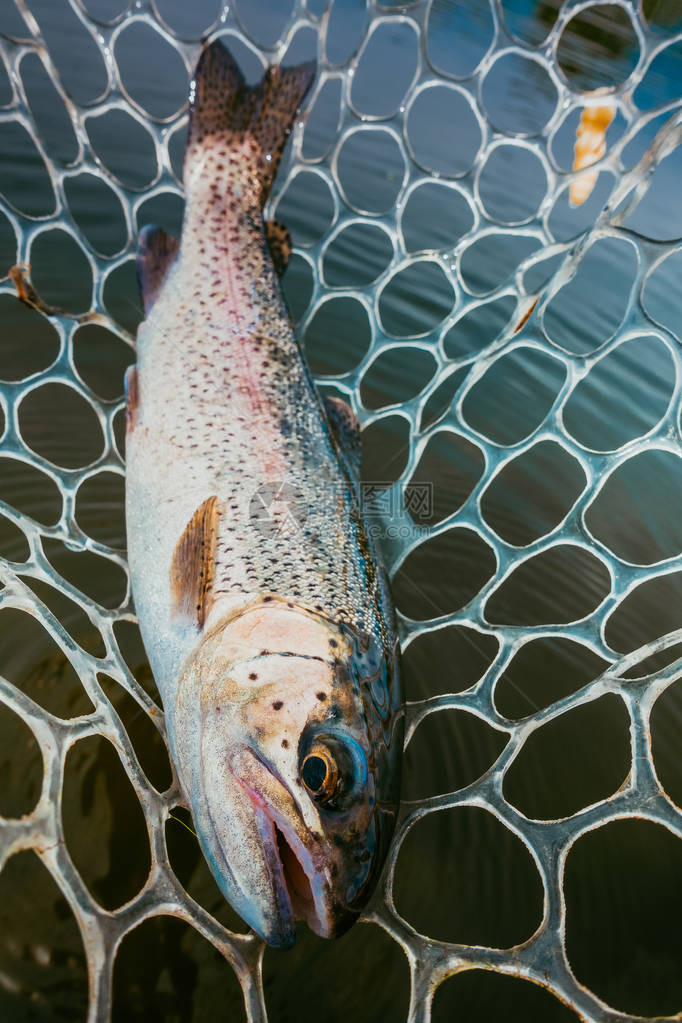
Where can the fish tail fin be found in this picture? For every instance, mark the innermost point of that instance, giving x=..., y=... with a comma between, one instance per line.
x=283, y=91
x=226, y=112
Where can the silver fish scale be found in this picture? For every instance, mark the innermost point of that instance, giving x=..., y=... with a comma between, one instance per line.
x=542, y=958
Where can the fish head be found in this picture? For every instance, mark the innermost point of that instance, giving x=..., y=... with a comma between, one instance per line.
x=295, y=790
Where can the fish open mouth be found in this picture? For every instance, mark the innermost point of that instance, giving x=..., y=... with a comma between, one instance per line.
x=293, y=874
x=296, y=881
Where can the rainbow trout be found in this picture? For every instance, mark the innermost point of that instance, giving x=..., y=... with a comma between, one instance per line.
x=263, y=608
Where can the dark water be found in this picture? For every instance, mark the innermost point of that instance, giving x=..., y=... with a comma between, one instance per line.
x=461, y=876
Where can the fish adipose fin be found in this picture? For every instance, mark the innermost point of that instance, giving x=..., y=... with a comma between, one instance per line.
x=279, y=242
x=156, y=250
x=346, y=429
x=225, y=111
x=193, y=566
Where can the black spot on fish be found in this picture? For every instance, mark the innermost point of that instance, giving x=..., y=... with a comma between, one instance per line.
x=277, y=705
x=253, y=676
x=322, y=696
x=266, y=599
x=333, y=643
x=285, y=744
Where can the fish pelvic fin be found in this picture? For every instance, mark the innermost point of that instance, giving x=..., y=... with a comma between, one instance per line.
x=156, y=250
x=193, y=567
x=221, y=104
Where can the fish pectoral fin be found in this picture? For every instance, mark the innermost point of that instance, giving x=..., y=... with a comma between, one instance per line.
x=192, y=570
x=279, y=243
x=346, y=429
x=156, y=250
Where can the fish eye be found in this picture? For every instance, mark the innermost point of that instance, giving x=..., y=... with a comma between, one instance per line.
x=320, y=773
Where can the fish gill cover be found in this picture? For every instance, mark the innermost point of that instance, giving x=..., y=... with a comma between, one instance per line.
x=507, y=330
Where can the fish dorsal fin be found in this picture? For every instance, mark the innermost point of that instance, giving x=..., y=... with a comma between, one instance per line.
x=156, y=250
x=279, y=242
x=193, y=566
x=346, y=429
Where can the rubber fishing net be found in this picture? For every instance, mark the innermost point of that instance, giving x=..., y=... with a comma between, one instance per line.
x=514, y=359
